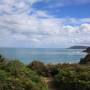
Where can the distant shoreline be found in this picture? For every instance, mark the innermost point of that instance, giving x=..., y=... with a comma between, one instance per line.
x=78, y=47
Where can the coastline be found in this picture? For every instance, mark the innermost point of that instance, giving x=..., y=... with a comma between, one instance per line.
x=15, y=74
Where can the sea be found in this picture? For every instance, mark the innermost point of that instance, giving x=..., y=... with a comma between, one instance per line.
x=46, y=55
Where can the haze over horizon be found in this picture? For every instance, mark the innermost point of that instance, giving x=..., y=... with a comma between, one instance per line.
x=44, y=23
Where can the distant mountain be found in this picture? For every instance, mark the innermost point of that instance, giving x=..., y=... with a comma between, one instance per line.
x=78, y=47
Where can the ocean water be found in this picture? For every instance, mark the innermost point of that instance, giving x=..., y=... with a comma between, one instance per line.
x=46, y=55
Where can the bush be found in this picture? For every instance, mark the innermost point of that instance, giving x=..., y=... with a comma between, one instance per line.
x=16, y=76
x=74, y=78
x=39, y=67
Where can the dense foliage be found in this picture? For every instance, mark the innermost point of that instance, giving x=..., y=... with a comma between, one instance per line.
x=73, y=77
x=85, y=60
x=87, y=50
x=42, y=69
x=39, y=67
x=14, y=75
x=66, y=76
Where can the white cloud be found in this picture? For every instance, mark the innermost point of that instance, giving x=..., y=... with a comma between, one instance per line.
x=16, y=6
x=39, y=29
x=45, y=32
x=85, y=28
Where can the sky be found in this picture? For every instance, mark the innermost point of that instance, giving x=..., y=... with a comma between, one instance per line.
x=44, y=23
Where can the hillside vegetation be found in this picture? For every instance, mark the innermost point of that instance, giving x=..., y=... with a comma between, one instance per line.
x=14, y=75
x=65, y=76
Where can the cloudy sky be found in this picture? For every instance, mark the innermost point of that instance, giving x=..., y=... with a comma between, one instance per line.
x=44, y=23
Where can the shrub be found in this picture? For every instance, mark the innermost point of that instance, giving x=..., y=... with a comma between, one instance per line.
x=38, y=67
x=16, y=76
x=74, y=79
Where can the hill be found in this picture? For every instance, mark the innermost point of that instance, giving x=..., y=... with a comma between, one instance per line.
x=78, y=47
x=85, y=60
x=87, y=50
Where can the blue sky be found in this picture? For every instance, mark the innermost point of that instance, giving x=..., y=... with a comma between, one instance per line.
x=69, y=11
x=44, y=23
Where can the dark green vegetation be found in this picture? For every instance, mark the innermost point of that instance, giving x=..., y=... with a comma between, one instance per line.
x=87, y=50
x=14, y=75
x=66, y=76
x=85, y=60
x=73, y=77
x=42, y=69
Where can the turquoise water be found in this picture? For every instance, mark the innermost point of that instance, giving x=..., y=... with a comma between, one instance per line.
x=46, y=55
